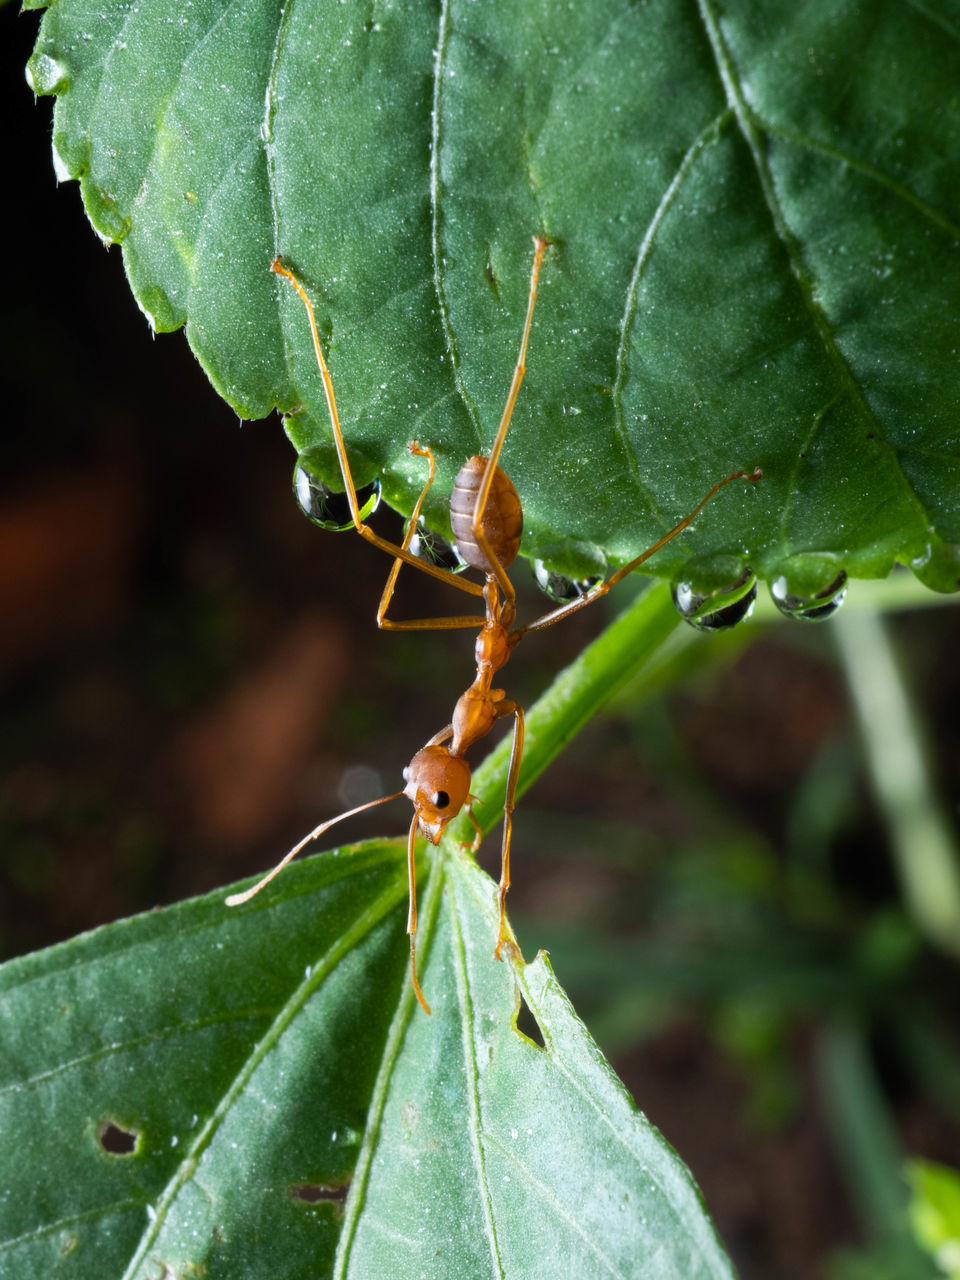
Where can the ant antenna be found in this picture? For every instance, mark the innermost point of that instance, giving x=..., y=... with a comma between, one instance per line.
x=235, y=899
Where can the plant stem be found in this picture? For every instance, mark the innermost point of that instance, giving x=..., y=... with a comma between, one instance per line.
x=921, y=836
x=867, y=1144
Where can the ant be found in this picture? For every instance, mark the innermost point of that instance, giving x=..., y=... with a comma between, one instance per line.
x=487, y=520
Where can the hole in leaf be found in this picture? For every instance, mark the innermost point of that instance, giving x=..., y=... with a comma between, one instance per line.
x=115, y=1140
x=314, y=1192
x=527, y=1025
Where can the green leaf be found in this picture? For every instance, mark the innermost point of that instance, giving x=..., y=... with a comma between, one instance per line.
x=756, y=255
x=263, y=1062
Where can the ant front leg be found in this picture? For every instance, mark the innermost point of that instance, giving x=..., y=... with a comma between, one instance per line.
x=412, y=910
x=478, y=838
x=400, y=552
x=417, y=624
x=516, y=755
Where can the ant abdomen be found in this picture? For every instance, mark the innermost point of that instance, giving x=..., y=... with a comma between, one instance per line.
x=502, y=521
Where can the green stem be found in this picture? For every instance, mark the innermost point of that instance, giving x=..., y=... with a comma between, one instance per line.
x=867, y=1144
x=921, y=835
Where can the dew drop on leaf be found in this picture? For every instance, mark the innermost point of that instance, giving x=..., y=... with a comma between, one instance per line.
x=558, y=586
x=808, y=588
x=436, y=549
x=46, y=74
x=715, y=593
x=326, y=507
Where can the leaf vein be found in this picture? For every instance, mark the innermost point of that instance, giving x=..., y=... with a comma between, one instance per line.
x=473, y=1092
x=632, y=1149
x=633, y=291
x=89, y=1215
x=548, y=1197
x=381, y=1089
x=868, y=170
x=138, y=1042
x=436, y=250
x=791, y=487
x=747, y=123
x=270, y=105
x=175, y=82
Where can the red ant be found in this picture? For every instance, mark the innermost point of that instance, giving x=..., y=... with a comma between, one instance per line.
x=487, y=520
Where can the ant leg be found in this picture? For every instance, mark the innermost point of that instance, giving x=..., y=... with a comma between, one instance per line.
x=417, y=624
x=516, y=755
x=602, y=588
x=443, y=736
x=412, y=914
x=483, y=493
x=472, y=588
x=477, y=839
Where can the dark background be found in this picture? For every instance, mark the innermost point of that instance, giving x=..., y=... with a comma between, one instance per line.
x=191, y=677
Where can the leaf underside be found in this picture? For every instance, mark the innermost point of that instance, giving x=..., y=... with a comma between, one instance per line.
x=292, y=1112
x=756, y=255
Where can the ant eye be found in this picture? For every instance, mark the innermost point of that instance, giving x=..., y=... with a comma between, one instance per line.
x=440, y=800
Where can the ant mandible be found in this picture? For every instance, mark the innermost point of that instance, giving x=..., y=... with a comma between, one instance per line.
x=487, y=521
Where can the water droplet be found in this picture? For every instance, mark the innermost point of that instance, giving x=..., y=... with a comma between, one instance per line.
x=325, y=506
x=46, y=74
x=436, y=549
x=559, y=587
x=939, y=566
x=715, y=592
x=808, y=587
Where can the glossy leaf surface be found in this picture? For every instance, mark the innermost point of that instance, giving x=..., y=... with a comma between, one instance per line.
x=756, y=258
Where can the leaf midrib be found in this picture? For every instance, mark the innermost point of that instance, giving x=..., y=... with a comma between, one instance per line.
x=406, y=1008
x=438, y=67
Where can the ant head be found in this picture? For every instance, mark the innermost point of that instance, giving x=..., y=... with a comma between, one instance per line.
x=438, y=783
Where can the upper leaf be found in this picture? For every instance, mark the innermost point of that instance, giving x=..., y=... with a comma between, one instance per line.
x=756, y=256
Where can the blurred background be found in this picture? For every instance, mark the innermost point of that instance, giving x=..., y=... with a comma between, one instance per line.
x=191, y=677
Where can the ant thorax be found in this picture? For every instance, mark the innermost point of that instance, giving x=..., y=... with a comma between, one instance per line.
x=492, y=648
